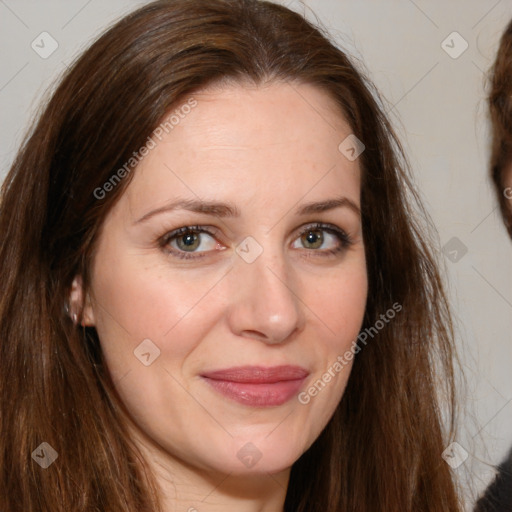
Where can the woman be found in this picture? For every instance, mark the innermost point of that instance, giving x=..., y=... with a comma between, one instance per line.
x=209, y=210
x=498, y=496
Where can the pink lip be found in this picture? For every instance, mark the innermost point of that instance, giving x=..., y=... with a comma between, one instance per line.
x=258, y=386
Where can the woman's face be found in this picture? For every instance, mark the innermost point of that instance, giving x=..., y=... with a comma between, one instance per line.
x=269, y=282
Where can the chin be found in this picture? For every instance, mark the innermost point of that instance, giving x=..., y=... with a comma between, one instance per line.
x=261, y=455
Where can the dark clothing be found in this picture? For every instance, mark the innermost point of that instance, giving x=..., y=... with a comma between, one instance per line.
x=498, y=496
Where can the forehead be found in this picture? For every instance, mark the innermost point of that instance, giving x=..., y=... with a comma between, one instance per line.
x=273, y=138
x=284, y=101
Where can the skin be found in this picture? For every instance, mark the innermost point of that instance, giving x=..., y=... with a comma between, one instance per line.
x=506, y=180
x=506, y=184
x=267, y=150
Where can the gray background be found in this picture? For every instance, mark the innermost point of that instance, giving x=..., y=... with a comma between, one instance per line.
x=436, y=102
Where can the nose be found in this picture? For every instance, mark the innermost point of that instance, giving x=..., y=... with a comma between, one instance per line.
x=264, y=302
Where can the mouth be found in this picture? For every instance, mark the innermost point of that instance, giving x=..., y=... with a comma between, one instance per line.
x=258, y=386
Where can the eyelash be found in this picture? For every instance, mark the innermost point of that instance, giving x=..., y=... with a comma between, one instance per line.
x=345, y=240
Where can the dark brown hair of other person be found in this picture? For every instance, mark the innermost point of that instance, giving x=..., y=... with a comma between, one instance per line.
x=500, y=109
x=498, y=496
x=381, y=450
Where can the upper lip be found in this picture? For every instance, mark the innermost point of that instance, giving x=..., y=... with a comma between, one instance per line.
x=258, y=374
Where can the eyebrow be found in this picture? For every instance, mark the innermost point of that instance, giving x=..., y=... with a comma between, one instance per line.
x=222, y=210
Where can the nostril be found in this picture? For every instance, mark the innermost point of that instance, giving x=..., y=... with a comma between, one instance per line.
x=256, y=335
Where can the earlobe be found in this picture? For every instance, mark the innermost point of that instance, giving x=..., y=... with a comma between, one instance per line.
x=77, y=304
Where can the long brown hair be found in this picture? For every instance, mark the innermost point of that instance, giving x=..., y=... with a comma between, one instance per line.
x=381, y=451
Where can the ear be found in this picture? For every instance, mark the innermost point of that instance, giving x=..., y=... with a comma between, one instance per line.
x=77, y=304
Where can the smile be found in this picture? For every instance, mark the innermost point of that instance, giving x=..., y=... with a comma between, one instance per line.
x=258, y=386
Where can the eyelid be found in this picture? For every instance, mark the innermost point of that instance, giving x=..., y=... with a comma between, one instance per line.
x=165, y=240
x=344, y=238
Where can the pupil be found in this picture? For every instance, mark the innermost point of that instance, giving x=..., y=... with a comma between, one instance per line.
x=188, y=241
x=313, y=238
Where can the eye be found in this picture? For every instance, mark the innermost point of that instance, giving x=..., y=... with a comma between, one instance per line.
x=196, y=241
x=186, y=241
x=324, y=239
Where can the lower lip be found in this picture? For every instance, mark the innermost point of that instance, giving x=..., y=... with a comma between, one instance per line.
x=258, y=395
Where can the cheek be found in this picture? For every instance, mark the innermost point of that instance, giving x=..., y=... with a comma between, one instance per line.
x=133, y=302
x=340, y=304
x=339, y=310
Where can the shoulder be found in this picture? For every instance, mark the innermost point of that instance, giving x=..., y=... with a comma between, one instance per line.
x=498, y=496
